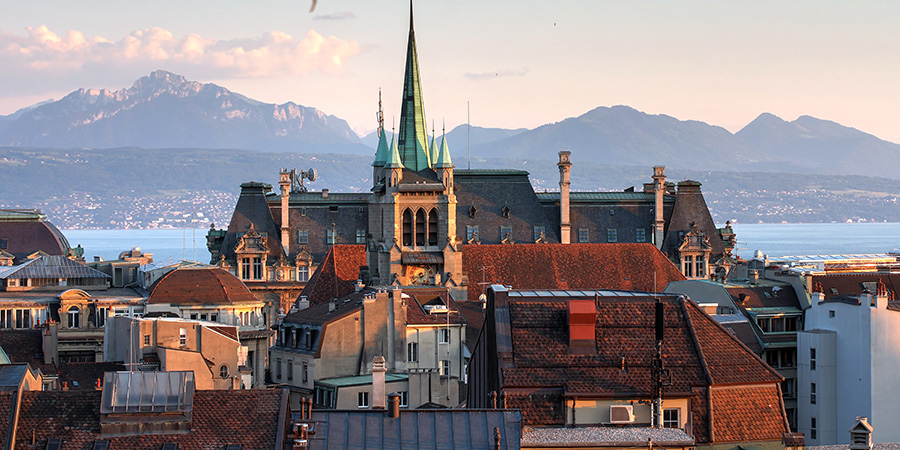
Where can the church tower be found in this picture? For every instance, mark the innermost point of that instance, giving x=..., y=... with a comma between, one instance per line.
x=412, y=211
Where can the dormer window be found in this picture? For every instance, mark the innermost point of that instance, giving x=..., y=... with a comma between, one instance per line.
x=74, y=317
x=505, y=212
x=473, y=211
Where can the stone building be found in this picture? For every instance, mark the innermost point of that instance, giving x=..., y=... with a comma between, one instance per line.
x=422, y=211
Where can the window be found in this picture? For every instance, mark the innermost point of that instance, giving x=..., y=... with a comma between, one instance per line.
x=412, y=352
x=812, y=359
x=257, y=268
x=584, y=235
x=505, y=232
x=223, y=371
x=245, y=268
x=687, y=266
x=812, y=428
x=787, y=388
x=15, y=318
x=505, y=212
x=471, y=232
x=290, y=370
x=612, y=212
x=305, y=372
x=445, y=367
x=538, y=233
x=204, y=317
x=432, y=227
x=362, y=399
x=473, y=211
x=360, y=236
x=611, y=235
x=193, y=316
x=303, y=273
x=831, y=314
x=182, y=337
x=146, y=339
x=101, y=316
x=670, y=418
x=303, y=237
x=278, y=369
x=701, y=266
x=444, y=336
x=420, y=228
x=74, y=317
x=4, y=243
x=214, y=317
x=329, y=236
x=404, y=399
x=302, y=211
x=812, y=393
x=640, y=235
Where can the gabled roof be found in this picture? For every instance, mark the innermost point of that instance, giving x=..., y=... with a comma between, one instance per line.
x=336, y=275
x=200, y=286
x=219, y=418
x=417, y=315
x=568, y=266
x=690, y=207
x=779, y=296
x=51, y=266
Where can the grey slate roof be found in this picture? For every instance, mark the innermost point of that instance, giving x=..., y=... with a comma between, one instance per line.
x=415, y=428
x=51, y=266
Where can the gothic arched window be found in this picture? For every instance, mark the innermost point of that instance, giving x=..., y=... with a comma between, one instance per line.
x=407, y=227
x=432, y=227
x=420, y=227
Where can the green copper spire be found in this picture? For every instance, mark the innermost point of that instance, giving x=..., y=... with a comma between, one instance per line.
x=413, y=139
x=443, y=158
x=395, y=162
x=382, y=152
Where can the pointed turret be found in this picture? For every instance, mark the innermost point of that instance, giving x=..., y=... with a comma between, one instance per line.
x=433, y=153
x=413, y=138
x=443, y=156
x=395, y=162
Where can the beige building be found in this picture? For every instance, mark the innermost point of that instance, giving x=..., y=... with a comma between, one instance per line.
x=326, y=351
x=211, y=351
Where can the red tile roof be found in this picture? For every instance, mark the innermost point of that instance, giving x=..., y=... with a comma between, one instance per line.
x=416, y=314
x=219, y=418
x=86, y=374
x=568, y=266
x=199, y=286
x=26, y=346
x=733, y=422
x=6, y=408
x=765, y=296
x=336, y=275
x=852, y=283
x=699, y=352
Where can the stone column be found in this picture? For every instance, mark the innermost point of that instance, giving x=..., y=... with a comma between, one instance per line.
x=565, y=227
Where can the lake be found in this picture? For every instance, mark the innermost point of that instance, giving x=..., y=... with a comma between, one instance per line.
x=772, y=239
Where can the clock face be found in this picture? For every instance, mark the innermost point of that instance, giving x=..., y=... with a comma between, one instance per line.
x=419, y=275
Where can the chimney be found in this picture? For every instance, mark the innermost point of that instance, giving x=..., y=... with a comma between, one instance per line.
x=659, y=188
x=754, y=277
x=324, y=193
x=582, y=319
x=285, y=184
x=393, y=404
x=565, y=228
x=378, y=389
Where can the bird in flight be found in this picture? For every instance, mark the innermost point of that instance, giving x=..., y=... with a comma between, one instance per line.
x=313, y=6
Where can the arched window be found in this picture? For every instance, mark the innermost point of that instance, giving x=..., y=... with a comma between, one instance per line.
x=420, y=227
x=74, y=317
x=432, y=227
x=407, y=227
x=223, y=371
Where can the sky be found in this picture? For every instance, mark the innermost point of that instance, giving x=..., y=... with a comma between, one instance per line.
x=502, y=63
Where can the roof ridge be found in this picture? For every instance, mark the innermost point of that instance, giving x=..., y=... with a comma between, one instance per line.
x=696, y=341
x=221, y=284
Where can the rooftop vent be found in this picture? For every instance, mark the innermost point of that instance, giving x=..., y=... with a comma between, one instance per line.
x=582, y=318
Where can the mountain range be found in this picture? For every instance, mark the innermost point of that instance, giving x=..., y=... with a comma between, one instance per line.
x=164, y=110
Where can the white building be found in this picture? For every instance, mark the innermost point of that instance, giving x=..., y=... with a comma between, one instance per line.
x=849, y=361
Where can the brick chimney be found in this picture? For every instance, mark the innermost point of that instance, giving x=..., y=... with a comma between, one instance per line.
x=565, y=227
x=659, y=188
x=582, y=320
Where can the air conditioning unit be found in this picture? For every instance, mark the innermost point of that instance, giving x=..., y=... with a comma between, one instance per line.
x=621, y=414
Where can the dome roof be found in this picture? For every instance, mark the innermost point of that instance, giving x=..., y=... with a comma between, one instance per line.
x=200, y=286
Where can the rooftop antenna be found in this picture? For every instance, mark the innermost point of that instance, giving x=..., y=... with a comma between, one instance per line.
x=468, y=147
x=379, y=116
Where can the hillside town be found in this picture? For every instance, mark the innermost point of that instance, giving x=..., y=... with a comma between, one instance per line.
x=444, y=308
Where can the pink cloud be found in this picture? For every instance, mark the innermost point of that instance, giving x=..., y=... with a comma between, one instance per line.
x=272, y=54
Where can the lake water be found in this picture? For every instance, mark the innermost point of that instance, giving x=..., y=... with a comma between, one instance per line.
x=772, y=239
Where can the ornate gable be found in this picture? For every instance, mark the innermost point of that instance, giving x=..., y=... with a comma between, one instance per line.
x=252, y=242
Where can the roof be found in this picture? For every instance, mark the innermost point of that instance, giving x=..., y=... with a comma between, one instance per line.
x=766, y=421
x=218, y=419
x=412, y=136
x=11, y=376
x=252, y=210
x=605, y=437
x=200, y=286
x=417, y=315
x=568, y=266
x=753, y=297
x=415, y=428
x=504, y=199
x=601, y=196
x=690, y=207
x=51, y=266
x=842, y=284
x=336, y=275
x=540, y=371
x=83, y=376
x=28, y=231
x=26, y=346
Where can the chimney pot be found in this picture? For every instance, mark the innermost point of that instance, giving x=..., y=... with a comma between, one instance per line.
x=393, y=405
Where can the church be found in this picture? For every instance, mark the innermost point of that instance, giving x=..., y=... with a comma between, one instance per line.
x=422, y=213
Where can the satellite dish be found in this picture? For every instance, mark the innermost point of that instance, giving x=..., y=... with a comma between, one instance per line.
x=311, y=174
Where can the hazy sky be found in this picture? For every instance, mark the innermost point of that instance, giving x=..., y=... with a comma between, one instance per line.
x=519, y=63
